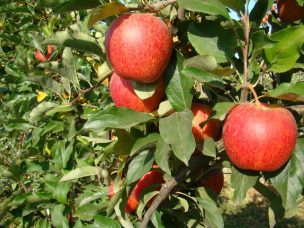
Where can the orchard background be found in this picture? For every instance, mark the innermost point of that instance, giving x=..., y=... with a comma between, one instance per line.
x=63, y=142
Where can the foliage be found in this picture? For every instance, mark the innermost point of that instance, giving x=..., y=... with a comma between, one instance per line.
x=63, y=141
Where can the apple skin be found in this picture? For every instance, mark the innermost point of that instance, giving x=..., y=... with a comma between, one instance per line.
x=259, y=138
x=41, y=57
x=212, y=179
x=289, y=11
x=201, y=113
x=139, y=47
x=153, y=177
x=123, y=95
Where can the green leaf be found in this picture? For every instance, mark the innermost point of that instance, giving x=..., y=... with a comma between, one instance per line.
x=76, y=40
x=116, y=118
x=210, y=38
x=144, y=90
x=161, y=155
x=261, y=41
x=206, y=62
x=176, y=130
x=156, y=219
x=47, y=83
x=241, y=182
x=104, y=11
x=60, y=109
x=87, y=212
x=284, y=54
x=18, y=126
x=62, y=154
x=288, y=91
x=221, y=109
x=209, y=148
x=213, y=215
x=178, y=89
x=205, y=6
x=69, y=69
x=106, y=222
x=40, y=110
x=84, y=171
x=236, y=5
x=59, y=218
x=289, y=182
x=145, y=143
x=61, y=191
x=140, y=165
x=76, y=5
x=125, y=142
x=201, y=75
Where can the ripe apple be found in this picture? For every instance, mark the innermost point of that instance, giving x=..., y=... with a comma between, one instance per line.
x=153, y=177
x=212, y=179
x=123, y=95
x=259, y=137
x=289, y=11
x=41, y=57
x=139, y=47
x=201, y=113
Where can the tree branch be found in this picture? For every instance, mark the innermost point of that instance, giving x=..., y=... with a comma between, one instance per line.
x=245, y=21
x=194, y=163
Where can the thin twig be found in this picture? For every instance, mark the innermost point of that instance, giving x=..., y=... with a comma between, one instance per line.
x=245, y=21
x=83, y=92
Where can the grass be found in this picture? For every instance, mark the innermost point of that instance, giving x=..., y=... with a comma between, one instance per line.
x=253, y=212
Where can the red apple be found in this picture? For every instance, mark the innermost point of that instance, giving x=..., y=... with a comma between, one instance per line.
x=201, y=113
x=290, y=11
x=213, y=179
x=41, y=57
x=139, y=47
x=153, y=177
x=123, y=95
x=259, y=137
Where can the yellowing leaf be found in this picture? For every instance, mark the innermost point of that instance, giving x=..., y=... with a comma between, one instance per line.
x=105, y=11
x=47, y=150
x=41, y=95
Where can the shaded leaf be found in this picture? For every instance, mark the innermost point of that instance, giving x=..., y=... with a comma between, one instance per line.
x=47, y=83
x=161, y=155
x=140, y=165
x=236, y=5
x=213, y=215
x=73, y=5
x=210, y=38
x=221, y=109
x=288, y=91
x=40, y=110
x=241, y=183
x=102, y=221
x=145, y=143
x=209, y=147
x=289, y=182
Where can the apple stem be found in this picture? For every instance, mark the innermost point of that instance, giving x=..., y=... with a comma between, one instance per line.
x=256, y=98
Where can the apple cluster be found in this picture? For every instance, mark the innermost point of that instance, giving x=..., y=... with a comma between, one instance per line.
x=139, y=47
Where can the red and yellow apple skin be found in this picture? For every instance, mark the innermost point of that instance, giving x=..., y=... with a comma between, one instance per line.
x=153, y=177
x=259, y=138
x=213, y=179
x=139, y=47
x=289, y=11
x=123, y=95
x=201, y=113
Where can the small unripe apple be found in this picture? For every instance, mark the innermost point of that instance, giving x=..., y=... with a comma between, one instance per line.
x=201, y=113
x=123, y=95
x=259, y=137
x=290, y=11
x=139, y=47
x=212, y=179
x=153, y=177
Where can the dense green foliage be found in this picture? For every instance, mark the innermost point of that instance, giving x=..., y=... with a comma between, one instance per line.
x=63, y=141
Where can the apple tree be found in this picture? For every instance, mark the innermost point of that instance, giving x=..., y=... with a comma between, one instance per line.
x=126, y=113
